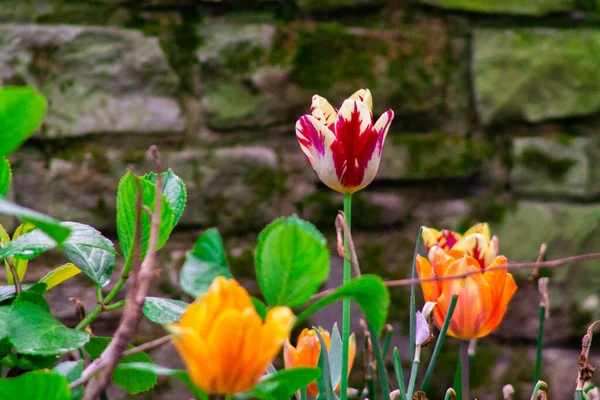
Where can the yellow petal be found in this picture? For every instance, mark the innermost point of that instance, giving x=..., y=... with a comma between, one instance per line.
x=430, y=236
x=474, y=245
x=323, y=111
x=364, y=95
x=59, y=275
x=194, y=352
x=482, y=228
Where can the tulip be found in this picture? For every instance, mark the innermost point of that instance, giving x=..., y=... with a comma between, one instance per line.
x=476, y=242
x=482, y=297
x=344, y=147
x=224, y=342
x=307, y=351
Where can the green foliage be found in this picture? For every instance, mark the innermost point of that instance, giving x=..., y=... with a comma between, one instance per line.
x=91, y=252
x=283, y=384
x=174, y=190
x=292, y=261
x=324, y=384
x=163, y=311
x=49, y=225
x=5, y=176
x=132, y=381
x=36, y=385
x=368, y=291
x=33, y=330
x=71, y=370
x=204, y=263
x=22, y=110
x=127, y=214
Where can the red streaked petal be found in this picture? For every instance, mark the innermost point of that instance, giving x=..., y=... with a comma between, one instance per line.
x=314, y=137
x=364, y=95
x=381, y=127
x=323, y=111
x=474, y=245
x=448, y=239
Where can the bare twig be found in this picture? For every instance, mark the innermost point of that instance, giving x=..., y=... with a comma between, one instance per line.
x=148, y=346
x=544, y=297
x=585, y=371
x=535, y=274
x=13, y=272
x=136, y=295
x=508, y=391
x=343, y=232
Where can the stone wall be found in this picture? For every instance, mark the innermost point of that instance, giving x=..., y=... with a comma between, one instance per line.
x=497, y=118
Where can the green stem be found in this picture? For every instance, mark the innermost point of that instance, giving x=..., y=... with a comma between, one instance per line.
x=413, y=372
x=89, y=318
x=450, y=394
x=124, y=276
x=540, y=338
x=399, y=373
x=438, y=345
x=464, y=357
x=413, y=307
x=386, y=342
x=381, y=370
x=115, y=306
x=346, y=303
x=303, y=394
x=540, y=386
x=456, y=386
x=371, y=393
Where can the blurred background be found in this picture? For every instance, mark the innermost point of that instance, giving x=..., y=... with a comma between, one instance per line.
x=497, y=107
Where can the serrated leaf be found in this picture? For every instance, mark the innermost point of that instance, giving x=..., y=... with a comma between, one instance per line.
x=59, y=275
x=5, y=176
x=283, y=384
x=91, y=252
x=36, y=385
x=32, y=330
x=173, y=189
x=204, y=263
x=292, y=261
x=71, y=370
x=49, y=225
x=34, y=295
x=368, y=291
x=163, y=311
x=22, y=111
x=126, y=214
x=132, y=381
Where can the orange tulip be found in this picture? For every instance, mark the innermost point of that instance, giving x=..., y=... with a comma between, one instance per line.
x=475, y=242
x=307, y=351
x=224, y=342
x=482, y=297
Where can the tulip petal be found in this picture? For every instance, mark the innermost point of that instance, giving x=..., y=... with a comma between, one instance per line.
x=482, y=228
x=448, y=239
x=491, y=252
x=474, y=306
x=440, y=260
x=381, y=127
x=431, y=290
x=364, y=95
x=194, y=352
x=430, y=236
x=474, y=245
x=323, y=111
x=502, y=296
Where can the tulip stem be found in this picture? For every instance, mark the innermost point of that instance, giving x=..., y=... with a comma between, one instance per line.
x=540, y=339
x=464, y=357
x=438, y=345
x=346, y=303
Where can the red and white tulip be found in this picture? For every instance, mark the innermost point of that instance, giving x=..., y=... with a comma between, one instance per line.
x=344, y=146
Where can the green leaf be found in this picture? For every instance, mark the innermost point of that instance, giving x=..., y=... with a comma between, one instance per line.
x=292, y=261
x=173, y=189
x=368, y=291
x=31, y=362
x=204, y=263
x=35, y=295
x=22, y=111
x=324, y=384
x=5, y=175
x=20, y=265
x=35, y=385
x=163, y=371
x=260, y=307
x=8, y=292
x=132, y=381
x=283, y=384
x=32, y=330
x=72, y=371
x=335, y=356
x=49, y=225
x=126, y=214
x=91, y=252
x=163, y=311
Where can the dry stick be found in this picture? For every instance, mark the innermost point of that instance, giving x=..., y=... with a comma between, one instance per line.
x=136, y=296
x=343, y=231
x=585, y=371
x=535, y=274
x=14, y=273
x=148, y=346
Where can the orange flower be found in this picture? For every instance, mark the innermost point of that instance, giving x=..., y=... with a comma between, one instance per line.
x=482, y=298
x=224, y=342
x=307, y=351
x=476, y=242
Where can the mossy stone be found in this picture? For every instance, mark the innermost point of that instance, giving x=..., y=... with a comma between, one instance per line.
x=517, y=7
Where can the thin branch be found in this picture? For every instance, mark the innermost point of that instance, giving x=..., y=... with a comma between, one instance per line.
x=343, y=232
x=13, y=272
x=136, y=294
x=535, y=274
x=148, y=346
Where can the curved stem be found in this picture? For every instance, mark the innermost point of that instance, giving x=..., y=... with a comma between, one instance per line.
x=541, y=386
x=346, y=303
